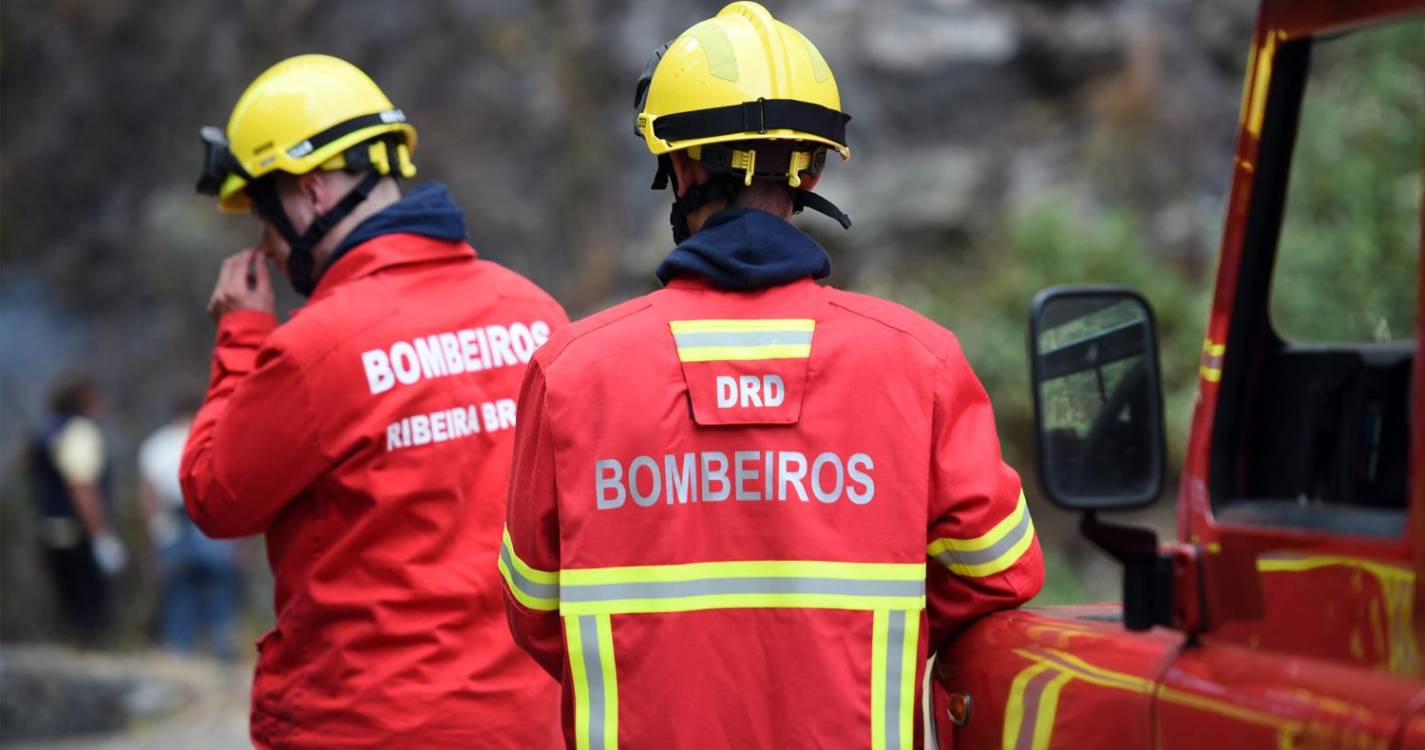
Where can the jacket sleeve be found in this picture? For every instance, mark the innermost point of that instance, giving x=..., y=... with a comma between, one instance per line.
x=529, y=555
x=983, y=555
x=253, y=445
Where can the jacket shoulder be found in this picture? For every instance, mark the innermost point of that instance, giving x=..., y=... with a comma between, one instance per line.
x=317, y=328
x=601, y=327
x=510, y=284
x=898, y=320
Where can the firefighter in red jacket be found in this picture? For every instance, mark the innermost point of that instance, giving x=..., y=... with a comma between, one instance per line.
x=369, y=437
x=745, y=507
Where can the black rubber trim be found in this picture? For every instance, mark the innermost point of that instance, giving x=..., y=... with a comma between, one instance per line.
x=757, y=116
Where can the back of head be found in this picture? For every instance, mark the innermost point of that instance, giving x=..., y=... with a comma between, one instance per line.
x=752, y=100
x=304, y=114
x=74, y=396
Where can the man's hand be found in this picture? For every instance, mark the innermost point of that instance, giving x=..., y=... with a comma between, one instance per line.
x=109, y=553
x=244, y=283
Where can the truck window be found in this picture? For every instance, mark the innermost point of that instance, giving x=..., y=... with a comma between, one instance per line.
x=1313, y=421
x=1346, y=260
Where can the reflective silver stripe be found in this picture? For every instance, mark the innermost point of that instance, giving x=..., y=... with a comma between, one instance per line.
x=895, y=642
x=1033, y=692
x=741, y=338
x=991, y=553
x=771, y=585
x=528, y=587
x=594, y=673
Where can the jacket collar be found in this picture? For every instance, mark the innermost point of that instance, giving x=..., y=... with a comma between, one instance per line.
x=390, y=251
x=744, y=249
x=424, y=225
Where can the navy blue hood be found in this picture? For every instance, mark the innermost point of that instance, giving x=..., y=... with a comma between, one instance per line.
x=745, y=249
x=427, y=210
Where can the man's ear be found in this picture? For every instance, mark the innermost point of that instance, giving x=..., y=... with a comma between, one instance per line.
x=809, y=182
x=313, y=187
x=688, y=172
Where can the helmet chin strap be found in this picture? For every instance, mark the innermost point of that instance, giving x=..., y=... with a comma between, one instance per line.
x=301, y=263
x=718, y=188
x=724, y=186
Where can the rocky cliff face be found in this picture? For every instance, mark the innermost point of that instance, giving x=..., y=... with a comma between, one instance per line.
x=964, y=112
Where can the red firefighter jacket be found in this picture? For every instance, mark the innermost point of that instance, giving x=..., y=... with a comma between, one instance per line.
x=370, y=439
x=741, y=519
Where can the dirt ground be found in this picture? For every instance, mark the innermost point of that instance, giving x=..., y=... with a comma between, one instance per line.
x=174, y=703
x=177, y=703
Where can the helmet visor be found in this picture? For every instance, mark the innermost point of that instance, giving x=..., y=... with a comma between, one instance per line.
x=218, y=161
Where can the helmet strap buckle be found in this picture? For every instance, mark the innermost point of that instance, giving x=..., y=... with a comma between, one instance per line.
x=750, y=167
x=754, y=116
x=798, y=161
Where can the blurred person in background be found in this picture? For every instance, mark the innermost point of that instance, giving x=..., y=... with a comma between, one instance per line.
x=70, y=474
x=201, y=585
x=797, y=489
x=369, y=437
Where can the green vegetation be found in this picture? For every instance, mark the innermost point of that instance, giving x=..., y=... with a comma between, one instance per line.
x=1051, y=244
x=1062, y=582
x=1351, y=235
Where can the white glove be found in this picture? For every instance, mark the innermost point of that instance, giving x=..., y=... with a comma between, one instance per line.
x=109, y=553
x=163, y=529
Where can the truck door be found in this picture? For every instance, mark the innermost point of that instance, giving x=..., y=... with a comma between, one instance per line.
x=1297, y=487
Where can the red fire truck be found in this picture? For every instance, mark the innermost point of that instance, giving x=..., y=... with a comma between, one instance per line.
x=1289, y=612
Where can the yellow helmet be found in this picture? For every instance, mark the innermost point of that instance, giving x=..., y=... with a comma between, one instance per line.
x=304, y=113
x=741, y=75
x=728, y=83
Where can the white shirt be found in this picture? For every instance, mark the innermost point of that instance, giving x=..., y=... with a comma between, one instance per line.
x=78, y=451
x=159, y=459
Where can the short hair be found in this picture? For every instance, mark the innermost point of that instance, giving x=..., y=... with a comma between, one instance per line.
x=764, y=195
x=73, y=396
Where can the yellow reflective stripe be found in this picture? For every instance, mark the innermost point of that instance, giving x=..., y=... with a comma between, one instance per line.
x=534, y=588
x=726, y=353
x=1211, y=367
x=744, y=569
x=1035, y=699
x=1262, y=69
x=1066, y=662
x=989, y=553
x=534, y=574
x=542, y=604
x=895, y=644
x=1001, y=563
x=574, y=646
x=743, y=584
x=910, y=651
x=741, y=325
x=743, y=601
x=1032, y=705
x=879, y=621
x=1286, y=563
x=1048, y=706
x=725, y=340
x=590, y=647
x=988, y=539
x=606, y=665
x=1014, y=706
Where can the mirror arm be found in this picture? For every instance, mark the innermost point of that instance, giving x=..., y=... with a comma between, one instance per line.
x=1147, y=572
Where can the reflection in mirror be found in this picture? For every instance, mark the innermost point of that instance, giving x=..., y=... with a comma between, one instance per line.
x=1098, y=398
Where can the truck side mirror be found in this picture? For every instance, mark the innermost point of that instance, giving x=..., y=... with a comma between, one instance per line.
x=1098, y=405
